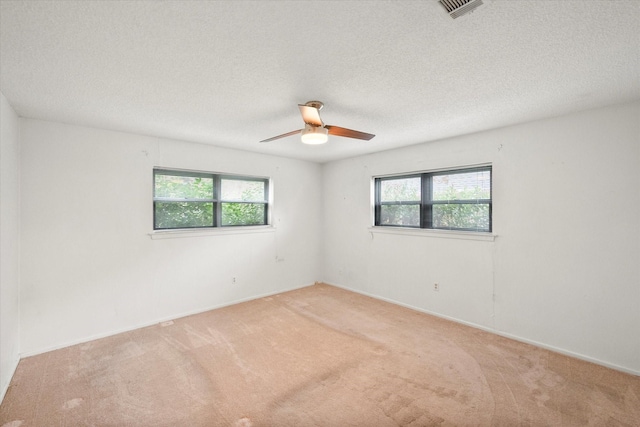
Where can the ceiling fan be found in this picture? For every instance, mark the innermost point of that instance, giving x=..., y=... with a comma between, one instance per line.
x=315, y=131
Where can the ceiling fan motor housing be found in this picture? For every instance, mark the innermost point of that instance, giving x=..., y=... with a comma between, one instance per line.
x=314, y=104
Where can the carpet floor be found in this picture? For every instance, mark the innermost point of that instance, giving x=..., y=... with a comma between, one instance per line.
x=317, y=356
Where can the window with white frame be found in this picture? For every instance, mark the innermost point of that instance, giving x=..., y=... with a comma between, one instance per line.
x=457, y=199
x=187, y=199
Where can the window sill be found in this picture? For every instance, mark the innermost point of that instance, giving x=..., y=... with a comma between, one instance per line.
x=203, y=232
x=442, y=234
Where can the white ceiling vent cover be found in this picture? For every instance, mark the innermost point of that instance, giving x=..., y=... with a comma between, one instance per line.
x=458, y=8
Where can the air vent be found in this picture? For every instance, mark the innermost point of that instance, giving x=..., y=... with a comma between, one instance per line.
x=458, y=8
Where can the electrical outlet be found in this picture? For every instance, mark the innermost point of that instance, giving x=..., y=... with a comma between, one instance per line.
x=436, y=287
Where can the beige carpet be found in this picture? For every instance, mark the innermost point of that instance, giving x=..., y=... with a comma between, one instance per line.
x=318, y=356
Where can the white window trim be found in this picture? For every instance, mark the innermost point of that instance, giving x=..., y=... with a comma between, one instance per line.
x=205, y=232
x=434, y=233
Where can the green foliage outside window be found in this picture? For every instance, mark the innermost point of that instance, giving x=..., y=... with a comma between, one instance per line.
x=456, y=200
x=183, y=214
x=406, y=193
x=473, y=216
x=404, y=215
x=401, y=189
x=187, y=200
x=183, y=187
x=236, y=213
x=242, y=214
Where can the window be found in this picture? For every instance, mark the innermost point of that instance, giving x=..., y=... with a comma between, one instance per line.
x=183, y=199
x=447, y=200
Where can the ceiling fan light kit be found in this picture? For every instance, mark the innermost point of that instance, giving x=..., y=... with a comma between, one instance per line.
x=314, y=135
x=315, y=132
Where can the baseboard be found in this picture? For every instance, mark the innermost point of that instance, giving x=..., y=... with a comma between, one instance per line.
x=157, y=321
x=5, y=387
x=496, y=332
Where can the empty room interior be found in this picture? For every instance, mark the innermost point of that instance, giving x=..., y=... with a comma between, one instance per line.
x=320, y=213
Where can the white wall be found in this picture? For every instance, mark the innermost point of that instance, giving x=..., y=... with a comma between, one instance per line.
x=564, y=269
x=89, y=266
x=562, y=272
x=9, y=244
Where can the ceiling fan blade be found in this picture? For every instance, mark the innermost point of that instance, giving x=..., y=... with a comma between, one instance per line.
x=284, y=135
x=348, y=133
x=310, y=115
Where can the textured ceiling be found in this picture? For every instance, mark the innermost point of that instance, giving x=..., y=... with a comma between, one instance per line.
x=232, y=73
